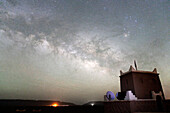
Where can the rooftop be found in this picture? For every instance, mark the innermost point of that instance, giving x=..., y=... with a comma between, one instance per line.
x=133, y=70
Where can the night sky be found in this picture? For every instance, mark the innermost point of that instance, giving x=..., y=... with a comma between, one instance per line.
x=73, y=50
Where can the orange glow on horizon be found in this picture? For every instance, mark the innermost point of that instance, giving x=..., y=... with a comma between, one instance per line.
x=55, y=105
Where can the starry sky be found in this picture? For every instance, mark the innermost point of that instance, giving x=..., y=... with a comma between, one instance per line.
x=73, y=50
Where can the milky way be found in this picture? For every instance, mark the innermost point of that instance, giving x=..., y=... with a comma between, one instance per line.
x=73, y=50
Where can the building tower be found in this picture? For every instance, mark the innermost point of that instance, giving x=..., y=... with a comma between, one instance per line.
x=143, y=84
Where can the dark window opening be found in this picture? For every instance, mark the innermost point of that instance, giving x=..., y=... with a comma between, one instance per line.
x=126, y=81
x=154, y=81
x=141, y=80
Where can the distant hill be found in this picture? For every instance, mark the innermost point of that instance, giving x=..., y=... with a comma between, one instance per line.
x=20, y=102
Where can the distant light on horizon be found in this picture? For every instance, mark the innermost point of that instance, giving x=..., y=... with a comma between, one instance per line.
x=55, y=105
x=92, y=104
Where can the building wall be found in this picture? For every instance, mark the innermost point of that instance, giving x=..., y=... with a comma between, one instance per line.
x=117, y=107
x=127, y=83
x=135, y=106
x=144, y=83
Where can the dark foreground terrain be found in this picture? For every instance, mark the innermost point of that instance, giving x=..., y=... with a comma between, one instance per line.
x=31, y=106
x=49, y=109
x=47, y=106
